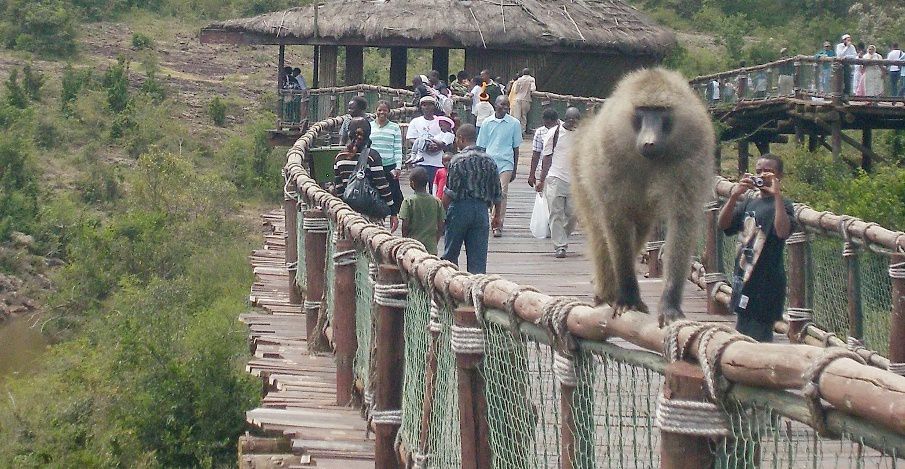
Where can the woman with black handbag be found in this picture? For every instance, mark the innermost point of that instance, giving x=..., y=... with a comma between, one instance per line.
x=359, y=177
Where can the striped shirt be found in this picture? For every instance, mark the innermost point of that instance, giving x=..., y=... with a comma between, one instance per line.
x=344, y=166
x=387, y=140
x=539, y=134
x=473, y=175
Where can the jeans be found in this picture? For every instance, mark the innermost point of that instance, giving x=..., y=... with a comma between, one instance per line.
x=431, y=172
x=894, y=83
x=562, y=222
x=395, y=190
x=468, y=222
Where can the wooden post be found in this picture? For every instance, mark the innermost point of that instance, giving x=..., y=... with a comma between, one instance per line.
x=344, y=319
x=440, y=61
x=867, y=141
x=398, y=67
x=798, y=275
x=315, y=73
x=684, y=381
x=853, y=290
x=281, y=62
x=654, y=246
x=290, y=215
x=837, y=78
x=743, y=154
x=355, y=65
x=897, y=318
x=473, y=427
x=718, y=157
x=763, y=146
x=836, y=141
x=742, y=86
x=388, y=363
x=327, y=66
x=315, y=225
x=796, y=77
x=711, y=259
x=567, y=427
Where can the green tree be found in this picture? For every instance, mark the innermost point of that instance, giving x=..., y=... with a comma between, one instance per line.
x=15, y=93
x=18, y=185
x=46, y=27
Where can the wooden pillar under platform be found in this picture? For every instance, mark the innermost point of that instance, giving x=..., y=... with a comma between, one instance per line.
x=355, y=65
x=315, y=73
x=344, y=338
x=685, y=382
x=327, y=66
x=398, y=65
x=763, y=146
x=867, y=141
x=440, y=61
x=836, y=139
x=743, y=154
x=813, y=142
x=389, y=354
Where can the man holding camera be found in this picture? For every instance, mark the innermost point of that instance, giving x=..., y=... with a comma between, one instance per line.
x=762, y=218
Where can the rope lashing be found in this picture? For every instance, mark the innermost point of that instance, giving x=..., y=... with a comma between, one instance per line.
x=509, y=306
x=289, y=189
x=292, y=265
x=897, y=368
x=446, y=294
x=564, y=370
x=393, y=295
x=798, y=237
x=849, y=249
x=710, y=365
x=343, y=258
x=712, y=206
x=554, y=315
x=804, y=316
x=377, y=249
x=654, y=245
x=372, y=271
x=713, y=277
x=434, y=324
x=897, y=270
x=469, y=340
x=386, y=417
x=672, y=349
x=315, y=225
x=311, y=304
x=854, y=343
x=432, y=272
x=811, y=389
x=694, y=418
x=419, y=460
x=479, y=283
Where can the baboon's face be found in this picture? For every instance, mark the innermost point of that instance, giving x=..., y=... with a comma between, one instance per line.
x=653, y=127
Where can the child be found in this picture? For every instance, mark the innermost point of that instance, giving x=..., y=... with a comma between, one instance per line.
x=440, y=177
x=483, y=110
x=422, y=214
x=446, y=137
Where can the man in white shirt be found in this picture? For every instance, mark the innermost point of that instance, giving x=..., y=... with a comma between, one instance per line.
x=521, y=97
x=846, y=50
x=555, y=178
x=895, y=70
x=421, y=132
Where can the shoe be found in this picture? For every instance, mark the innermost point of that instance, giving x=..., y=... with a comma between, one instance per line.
x=560, y=253
x=497, y=232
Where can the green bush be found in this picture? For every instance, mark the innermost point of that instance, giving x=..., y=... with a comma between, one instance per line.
x=45, y=27
x=18, y=185
x=142, y=41
x=15, y=92
x=32, y=81
x=116, y=84
x=217, y=111
x=72, y=84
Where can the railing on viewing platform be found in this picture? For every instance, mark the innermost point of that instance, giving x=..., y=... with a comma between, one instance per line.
x=802, y=77
x=466, y=371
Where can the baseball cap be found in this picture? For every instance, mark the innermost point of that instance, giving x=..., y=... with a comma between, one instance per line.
x=846, y=36
x=427, y=99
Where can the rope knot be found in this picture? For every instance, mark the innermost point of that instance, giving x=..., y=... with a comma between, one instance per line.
x=554, y=316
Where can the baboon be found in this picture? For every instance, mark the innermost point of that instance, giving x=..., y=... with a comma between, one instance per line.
x=646, y=155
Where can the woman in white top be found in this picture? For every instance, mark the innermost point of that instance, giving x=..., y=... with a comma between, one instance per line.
x=894, y=70
x=872, y=74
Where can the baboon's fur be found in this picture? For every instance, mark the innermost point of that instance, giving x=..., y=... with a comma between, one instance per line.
x=620, y=194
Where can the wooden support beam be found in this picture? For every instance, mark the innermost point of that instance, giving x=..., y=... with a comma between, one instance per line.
x=813, y=142
x=831, y=128
x=763, y=146
x=440, y=61
x=315, y=225
x=853, y=290
x=685, y=382
x=316, y=72
x=389, y=355
x=473, y=426
x=327, y=66
x=355, y=65
x=836, y=140
x=567, y=428
x=743, y=154
x=712, y=260
x=398, y=67
x=290, y=215
x=798, y=270
x=867, y=143
x=281, y=62
x=344, y=320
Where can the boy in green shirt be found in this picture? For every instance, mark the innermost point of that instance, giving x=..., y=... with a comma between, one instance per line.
x=422, y=214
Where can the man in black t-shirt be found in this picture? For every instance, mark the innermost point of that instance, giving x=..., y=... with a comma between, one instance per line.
x=762, y=220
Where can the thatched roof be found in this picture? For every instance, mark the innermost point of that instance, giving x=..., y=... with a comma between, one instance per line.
x=598, y=26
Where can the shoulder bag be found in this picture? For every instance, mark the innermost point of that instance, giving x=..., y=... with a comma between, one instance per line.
x=360, y=194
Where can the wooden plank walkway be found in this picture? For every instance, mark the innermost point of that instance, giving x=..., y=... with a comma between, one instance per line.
x=299, y=388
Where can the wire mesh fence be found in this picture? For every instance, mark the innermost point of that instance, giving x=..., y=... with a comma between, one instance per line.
x=365, y=278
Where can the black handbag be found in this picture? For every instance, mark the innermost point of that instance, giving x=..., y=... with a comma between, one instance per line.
x=360, y=194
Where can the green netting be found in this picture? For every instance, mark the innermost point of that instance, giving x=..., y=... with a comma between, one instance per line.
x=301, y=271
x=624, y=400
x=329, y=268
x=876, y=300
x=443, y=440
x=364, y=295
x=828, y=276
x=522, y=400
x=764, y=438
x=417, y=344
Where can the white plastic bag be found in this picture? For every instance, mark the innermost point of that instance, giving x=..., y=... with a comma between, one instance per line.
x=540, y=218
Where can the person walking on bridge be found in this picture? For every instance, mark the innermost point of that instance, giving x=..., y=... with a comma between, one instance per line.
x=472, y=186
x=520, y=96
x=555, y=177
x=501, y=136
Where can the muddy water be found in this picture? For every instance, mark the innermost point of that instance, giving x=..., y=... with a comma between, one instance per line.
x=20, y=345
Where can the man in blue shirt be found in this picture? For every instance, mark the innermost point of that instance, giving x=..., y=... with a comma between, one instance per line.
x=500, y=136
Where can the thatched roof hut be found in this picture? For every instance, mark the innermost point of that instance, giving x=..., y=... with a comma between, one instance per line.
x=505, y=35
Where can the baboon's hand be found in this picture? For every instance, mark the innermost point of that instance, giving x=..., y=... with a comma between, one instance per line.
x=621, y=306
x=668, y=314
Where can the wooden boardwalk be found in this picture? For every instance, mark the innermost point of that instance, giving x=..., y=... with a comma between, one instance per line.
x=299, y=388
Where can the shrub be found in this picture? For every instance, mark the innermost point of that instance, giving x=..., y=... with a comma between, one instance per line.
x=72, y=84
x=15, y=93
x=32, y=81
x=142, y=41
x=154, y=88
x=217, y=110
x=116, y=84
x=18, y=185
x=45, y=27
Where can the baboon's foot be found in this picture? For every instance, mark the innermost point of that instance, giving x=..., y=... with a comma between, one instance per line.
x=622, y=305
x=667, y=314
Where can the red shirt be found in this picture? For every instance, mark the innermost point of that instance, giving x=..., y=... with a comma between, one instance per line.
x=440, y=182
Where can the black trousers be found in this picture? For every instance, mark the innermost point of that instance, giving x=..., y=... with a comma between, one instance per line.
x=395, y=190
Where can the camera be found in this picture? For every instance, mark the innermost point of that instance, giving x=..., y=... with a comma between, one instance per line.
x=758, y=181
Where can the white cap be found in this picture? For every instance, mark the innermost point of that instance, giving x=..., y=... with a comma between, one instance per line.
x=846, y=36
x=427, y=99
